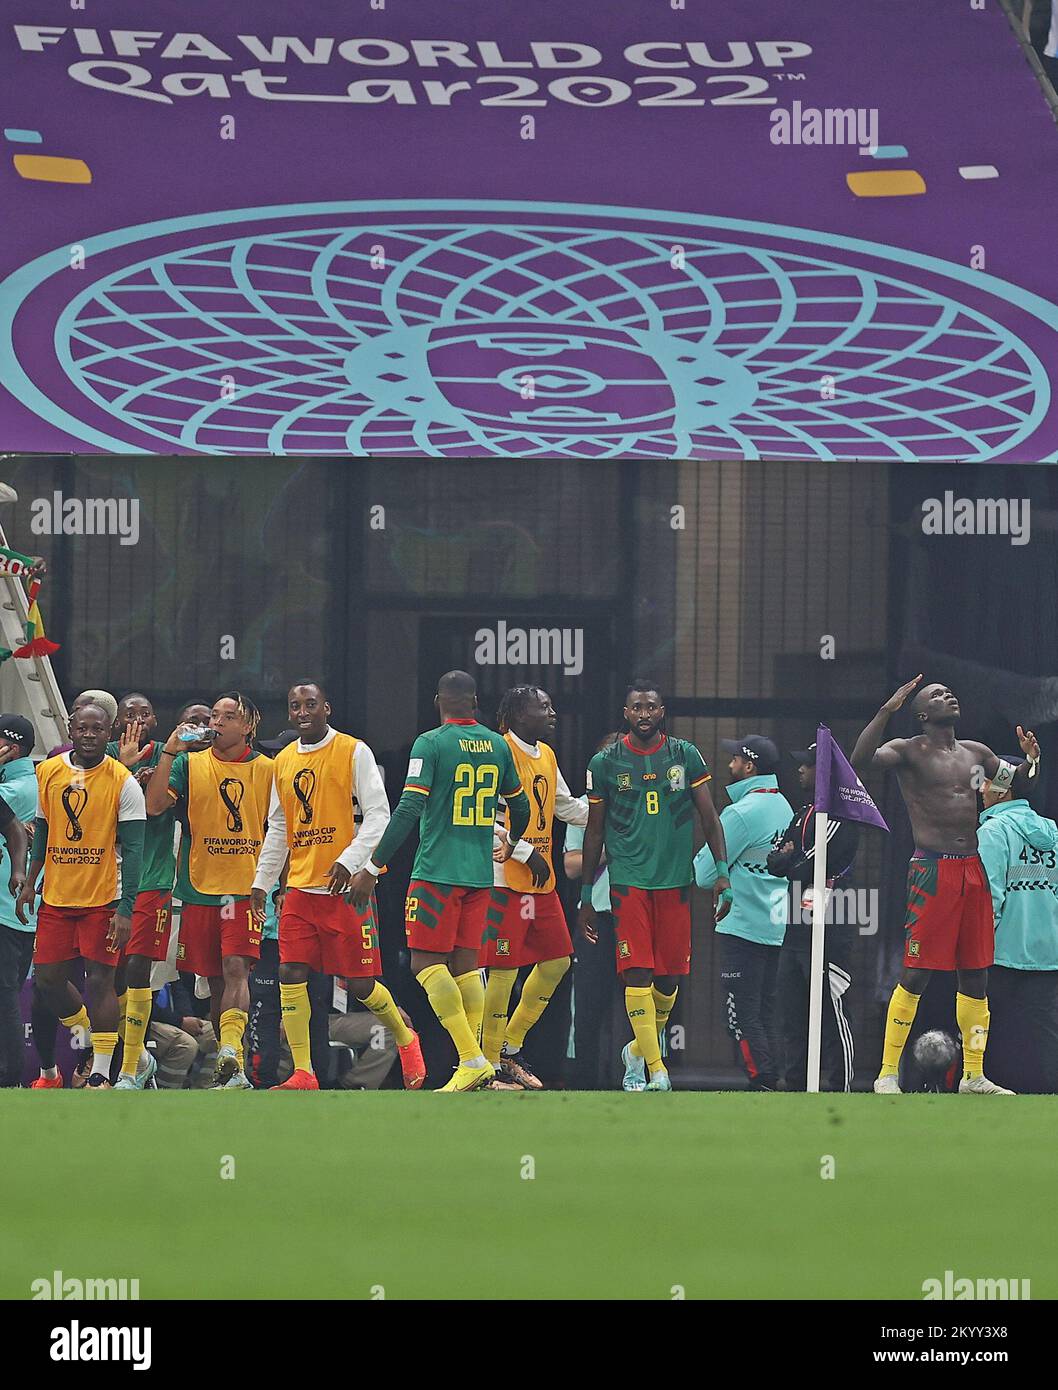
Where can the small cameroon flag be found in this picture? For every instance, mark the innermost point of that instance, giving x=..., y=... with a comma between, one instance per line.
x=36, y=643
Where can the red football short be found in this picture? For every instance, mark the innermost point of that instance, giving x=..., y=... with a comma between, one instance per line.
x=523, y=928
x=949, y=923
x=64, y=933
x=653, y=929
x=152, y=923
x=328, y=935
x=439, y=917
x=206, y=936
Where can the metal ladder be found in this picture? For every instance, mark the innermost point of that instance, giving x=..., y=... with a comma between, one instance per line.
x=27, y=687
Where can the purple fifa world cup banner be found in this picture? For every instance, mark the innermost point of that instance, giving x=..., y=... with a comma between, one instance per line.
x=839, y=791
x=562, y=229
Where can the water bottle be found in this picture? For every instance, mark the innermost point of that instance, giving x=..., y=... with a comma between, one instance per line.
x=197, y=735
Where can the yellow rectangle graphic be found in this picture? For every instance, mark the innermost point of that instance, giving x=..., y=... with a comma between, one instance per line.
x=52, y=169
x=886, y=183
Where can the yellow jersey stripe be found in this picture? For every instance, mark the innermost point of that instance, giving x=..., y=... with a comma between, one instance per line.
x=423, y=791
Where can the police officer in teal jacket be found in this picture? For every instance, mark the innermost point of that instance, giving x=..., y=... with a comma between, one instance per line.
x=1019, y=850
x=752, y=932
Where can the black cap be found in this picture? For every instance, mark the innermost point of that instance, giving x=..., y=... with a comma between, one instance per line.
x=273, y=745
x=18, y=730
x=756, y=747
x=804, y=757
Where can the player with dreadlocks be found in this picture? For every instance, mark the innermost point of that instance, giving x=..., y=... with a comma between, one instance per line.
x=525, y=924
x=221, y=796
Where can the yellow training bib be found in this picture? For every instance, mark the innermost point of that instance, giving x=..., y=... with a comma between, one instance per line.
x=539, y=779
x=315, y=790
x=81, y=808
x=227, y=805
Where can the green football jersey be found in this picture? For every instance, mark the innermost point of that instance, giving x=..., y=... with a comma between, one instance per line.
x=462, y=769
x=159, y=858
x=649, y=829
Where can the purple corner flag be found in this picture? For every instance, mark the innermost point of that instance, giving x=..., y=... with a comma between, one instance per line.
x=839, y=791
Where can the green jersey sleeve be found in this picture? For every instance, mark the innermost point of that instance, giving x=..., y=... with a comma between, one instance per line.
x=178, y=778
x=697, y=768
x=596, y=779
x=422, y=765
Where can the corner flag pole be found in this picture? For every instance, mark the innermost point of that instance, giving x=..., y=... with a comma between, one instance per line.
x=839, y=796
x=819, y=905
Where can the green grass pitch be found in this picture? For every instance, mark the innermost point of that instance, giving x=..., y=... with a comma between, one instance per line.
x=633, y=1196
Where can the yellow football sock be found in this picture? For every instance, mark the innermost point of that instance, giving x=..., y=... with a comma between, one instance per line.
x=447, y=1003
x=898, y=1020
x=384, y=1007
x=103, y=1048
x=137, y=1017
x=296, y=1010
x=123, y=1000
x=642, y=1015
x=543, y=980
x=232, y=1026
x=473, y=994
x=497, y=1001
x=972, y=1016
x=663, y=1006
x=78, y=1020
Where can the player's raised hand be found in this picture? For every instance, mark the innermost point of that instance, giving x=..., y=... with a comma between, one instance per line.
x=338, y=879
x=120, y=930
x=129, y=751
x=588, y=923
x=896, y=700
x=1029, y=745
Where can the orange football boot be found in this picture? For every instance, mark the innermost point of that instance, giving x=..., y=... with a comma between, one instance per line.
x=411, y=1064
x=299, y=1081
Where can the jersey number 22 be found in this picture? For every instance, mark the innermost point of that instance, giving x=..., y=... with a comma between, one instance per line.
x=475, y=794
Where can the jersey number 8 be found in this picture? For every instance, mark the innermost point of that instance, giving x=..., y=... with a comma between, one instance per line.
x=477, y=785
x=652, y=803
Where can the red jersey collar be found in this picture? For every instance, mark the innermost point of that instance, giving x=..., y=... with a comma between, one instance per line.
x=241, y=759
x=461, y=721
x=644, y=752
